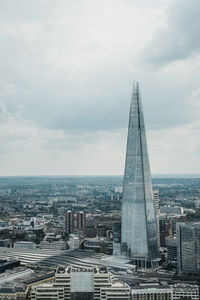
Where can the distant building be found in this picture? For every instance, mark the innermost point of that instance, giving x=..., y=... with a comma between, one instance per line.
x=74, y=242
x=75, y=222
x=116, y=230
x=157, y=209
x=52, y=241
x=14, y=291
x=171, y=245
x=163, y=229
x=82, y=283
x=24, y=245
x=53, y=245
x=172, y=210
x=8, y=263
x=95, y=244
x=4, y=243
x=69, y=222
x=188, y=247
x=81, y=222
x=185, y=291
x=152, y=291
x=164, y=291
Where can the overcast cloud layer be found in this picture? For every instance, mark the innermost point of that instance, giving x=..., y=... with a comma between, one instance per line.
x=66, y=76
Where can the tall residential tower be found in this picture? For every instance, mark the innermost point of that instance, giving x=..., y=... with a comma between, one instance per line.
x=138, y=230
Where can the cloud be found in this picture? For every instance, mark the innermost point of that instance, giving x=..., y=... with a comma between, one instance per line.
x=70, y=63
x=175, y=150
x=65, y=82
x=178, y=39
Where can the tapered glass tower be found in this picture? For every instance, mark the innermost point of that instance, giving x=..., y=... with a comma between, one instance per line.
x=139, y=232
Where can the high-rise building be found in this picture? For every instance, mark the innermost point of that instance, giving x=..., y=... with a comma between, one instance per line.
x=188, y=247
x=164, y=228
x=81, y=222
x=75, y=222
x=116, y=229
x=139, y=231
x=69, y=222
x=157, y=208
x=171, y=245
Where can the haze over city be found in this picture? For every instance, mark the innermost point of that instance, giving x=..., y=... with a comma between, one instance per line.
x=66, y=76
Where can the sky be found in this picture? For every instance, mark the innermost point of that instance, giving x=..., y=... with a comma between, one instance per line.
x=66, y=75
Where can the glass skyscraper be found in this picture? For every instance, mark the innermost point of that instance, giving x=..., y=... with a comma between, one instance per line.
x=188, y=247
x=138, y=229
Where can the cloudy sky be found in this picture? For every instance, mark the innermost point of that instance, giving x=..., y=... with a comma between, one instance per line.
x=66, y=73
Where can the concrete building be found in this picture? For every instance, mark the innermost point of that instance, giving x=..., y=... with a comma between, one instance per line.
x=14, y=291
x=69, y=222
x=157, y=209
x=53, y=245
x=25, y=245
x=74, y=242
x=82, y=283
x=185, y=291
x=139, y=237
x=52, y=241
x=152, y=291
x=117, y=291
x=75, y=222
x=165, y=291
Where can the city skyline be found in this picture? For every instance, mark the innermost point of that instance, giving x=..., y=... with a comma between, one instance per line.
x=65, y=83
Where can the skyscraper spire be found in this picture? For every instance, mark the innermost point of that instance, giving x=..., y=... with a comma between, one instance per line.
x=139, y=232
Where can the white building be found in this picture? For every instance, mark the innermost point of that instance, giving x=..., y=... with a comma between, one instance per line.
x=82, y=283
x=25, y=245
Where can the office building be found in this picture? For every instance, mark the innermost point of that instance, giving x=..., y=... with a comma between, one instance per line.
x=138, y=229
x=152, y=291
x=188, y=247
x=82, y=284
x=171, y=245
x=25, y=245
x=116, y=230
x=157, y=209
x=69, y=222
x=164, y=228
x=165, y=291
x=185, y=291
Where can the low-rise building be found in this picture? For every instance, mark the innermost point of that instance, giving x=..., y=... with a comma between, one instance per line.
x=14, y=291
x=25, y=245
x=185, y=291
x=165, y=291
x=152, y=291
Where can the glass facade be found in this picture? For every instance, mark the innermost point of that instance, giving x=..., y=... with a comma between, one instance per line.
x=188, y=247
x=82, y=282
x=139, y=231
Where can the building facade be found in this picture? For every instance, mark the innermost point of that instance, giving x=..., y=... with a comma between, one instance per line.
x=82, y=284
x=164, y=291
x=188, y=247
x=75, y=222
x=157, y=209
x=139, y=228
